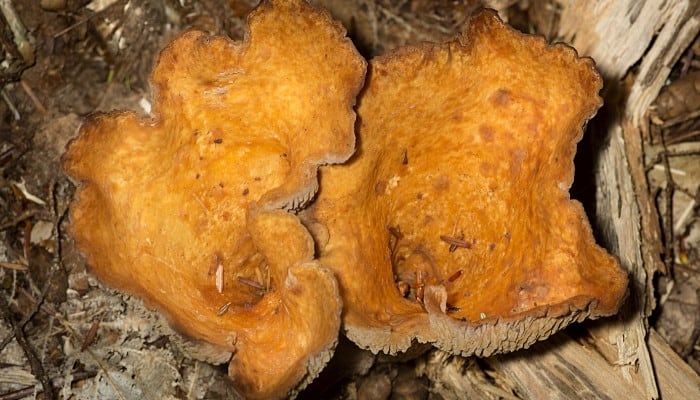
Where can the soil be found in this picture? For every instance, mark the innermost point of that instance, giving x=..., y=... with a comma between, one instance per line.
x=88, y=341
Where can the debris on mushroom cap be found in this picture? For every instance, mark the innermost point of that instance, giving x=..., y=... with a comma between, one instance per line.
x=184, y=209
x=453, y=225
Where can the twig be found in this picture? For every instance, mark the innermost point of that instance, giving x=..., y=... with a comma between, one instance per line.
x=688, y=268
x=28, y=90
x=669, y=153
x=250, y=283
x=684, y=216
x=5, y=342
x=372, y=17
x=27, y=240
x=90, y=335
x=40, y=301
x=455, y=242
x=29, y=390
x=664, y=168
x=683, y=137
x=18, y=394
x=97, y=360
x=555, y=11
x=6, y=156
x=34, y=363
x=695, y=336
x=10, y=105
x=21, y=36
x=668, y=223
x=44, y=307
x=682, y=118
x=686, y=61
x=190, y=390
x=57, y=220
x=47, y=334
x=77, y=24
x=14, y=266
x=16, y=220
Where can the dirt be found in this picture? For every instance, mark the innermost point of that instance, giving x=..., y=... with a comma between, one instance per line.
x=89, y=341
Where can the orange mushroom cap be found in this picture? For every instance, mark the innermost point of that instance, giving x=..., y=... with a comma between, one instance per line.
x=186, y=209
x=453, y=223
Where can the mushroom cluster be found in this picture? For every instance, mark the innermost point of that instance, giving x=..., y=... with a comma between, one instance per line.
x=450, y=223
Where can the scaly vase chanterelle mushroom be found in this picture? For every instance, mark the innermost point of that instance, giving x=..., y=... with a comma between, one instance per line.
x=451, y=224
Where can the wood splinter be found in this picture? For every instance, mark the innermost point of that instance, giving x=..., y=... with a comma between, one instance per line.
x=455, y=242
x=419, y=286
x=91, y=335
x=455, y=276
x=219, y=279
x=250, y=282
x=223, y=309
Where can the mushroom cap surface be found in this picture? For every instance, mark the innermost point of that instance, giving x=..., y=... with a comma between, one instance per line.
x=453, y=224
x=187, y=209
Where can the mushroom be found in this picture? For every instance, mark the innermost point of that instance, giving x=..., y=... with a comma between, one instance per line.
x=453, y=224
x=187, y=209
